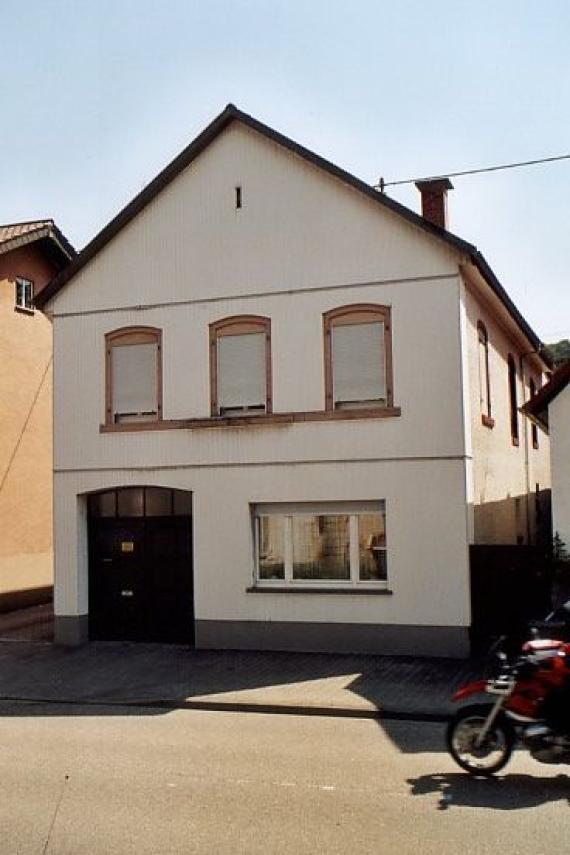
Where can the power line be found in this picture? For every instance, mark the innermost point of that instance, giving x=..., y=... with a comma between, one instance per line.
x=382, y=184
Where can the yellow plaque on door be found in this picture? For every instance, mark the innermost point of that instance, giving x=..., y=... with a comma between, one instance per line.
x=127, y=546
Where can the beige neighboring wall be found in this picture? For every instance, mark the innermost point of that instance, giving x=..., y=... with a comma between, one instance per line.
x=26, y=552
x=559, y=420
x=506, y=478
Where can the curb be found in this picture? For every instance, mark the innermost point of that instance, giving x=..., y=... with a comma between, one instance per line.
x=245, y=707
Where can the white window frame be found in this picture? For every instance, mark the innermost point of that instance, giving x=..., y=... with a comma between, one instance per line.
x=26, y=304
x=287, y=511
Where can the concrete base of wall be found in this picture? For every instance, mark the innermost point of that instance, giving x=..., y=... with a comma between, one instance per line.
x=71, y=630
x=387, y=639
x=393, y=640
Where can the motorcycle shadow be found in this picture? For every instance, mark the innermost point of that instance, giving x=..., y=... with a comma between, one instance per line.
x=508, y=792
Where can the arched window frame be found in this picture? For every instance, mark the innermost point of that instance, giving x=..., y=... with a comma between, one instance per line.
x=359, y=313
x=513, y=402
x=484, y=376
x=239, y=325
x=125, y=337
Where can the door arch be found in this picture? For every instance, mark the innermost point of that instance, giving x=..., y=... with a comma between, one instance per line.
x=140, y=565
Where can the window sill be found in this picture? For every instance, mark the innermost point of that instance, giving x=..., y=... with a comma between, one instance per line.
x=270, y=589
x=261, y=420
x=487, y=421
x=24, y=311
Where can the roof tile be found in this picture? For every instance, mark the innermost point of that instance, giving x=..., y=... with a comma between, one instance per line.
x=15, y=230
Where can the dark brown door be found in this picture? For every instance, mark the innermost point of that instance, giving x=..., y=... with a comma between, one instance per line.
x=140, y=579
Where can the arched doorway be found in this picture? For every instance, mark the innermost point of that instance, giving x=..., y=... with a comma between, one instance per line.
x=140, y=565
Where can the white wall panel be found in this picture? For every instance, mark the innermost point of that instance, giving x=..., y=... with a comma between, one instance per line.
x=298, y=228
x=426, y=539
x=427, y=383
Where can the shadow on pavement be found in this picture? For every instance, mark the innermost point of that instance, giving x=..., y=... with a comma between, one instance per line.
x=33, y=623
x=133, y=672
x=124, y=679
x=508, y=792
x=413, y=737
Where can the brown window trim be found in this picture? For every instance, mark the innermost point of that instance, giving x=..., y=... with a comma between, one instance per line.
x=239, y=325
x=533, y=428
x=122, y=338
x=358, y=313
x=513, y=404
x=261, y=420
x=270, y=589
x=483, y=339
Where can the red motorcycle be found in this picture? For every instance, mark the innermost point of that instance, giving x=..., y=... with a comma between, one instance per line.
x=532, y=702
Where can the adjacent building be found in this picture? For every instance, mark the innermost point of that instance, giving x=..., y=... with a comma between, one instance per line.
x=285, y=407
x=549, y=410
x=31, y=254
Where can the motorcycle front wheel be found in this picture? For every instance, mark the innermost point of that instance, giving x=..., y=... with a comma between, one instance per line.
x=492, y=753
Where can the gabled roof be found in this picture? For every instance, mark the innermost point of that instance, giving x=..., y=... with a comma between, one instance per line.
x=203, y=140
x=15, y=235
x=537, y=408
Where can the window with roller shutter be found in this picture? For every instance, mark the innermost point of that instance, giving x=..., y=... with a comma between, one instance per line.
x=240, y=366
x=358, y=358
x=133, y=375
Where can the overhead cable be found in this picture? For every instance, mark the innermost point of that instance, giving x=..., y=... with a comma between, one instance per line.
x=382, y=184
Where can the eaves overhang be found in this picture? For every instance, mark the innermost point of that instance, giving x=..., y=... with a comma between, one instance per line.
x=46, y=230
x=537, y=408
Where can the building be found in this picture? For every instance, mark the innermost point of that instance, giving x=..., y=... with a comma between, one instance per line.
x=30, y=255
x=285, y=406
x=549, y=410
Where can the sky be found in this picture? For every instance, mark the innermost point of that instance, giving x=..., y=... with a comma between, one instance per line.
x=97, y=96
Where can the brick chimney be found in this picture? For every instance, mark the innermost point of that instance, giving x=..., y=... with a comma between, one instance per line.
x=434, y=200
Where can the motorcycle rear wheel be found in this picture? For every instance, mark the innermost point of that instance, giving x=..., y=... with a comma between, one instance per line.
x=496, y=748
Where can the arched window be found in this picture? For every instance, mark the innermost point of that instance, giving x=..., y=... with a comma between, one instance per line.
x=513, y=405
x=533, y=428
x=133, y=368
x=484, y=379
x=240, y=366
x=358, y=357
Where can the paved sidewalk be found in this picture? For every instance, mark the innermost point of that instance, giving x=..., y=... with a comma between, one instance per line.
x=173, y=676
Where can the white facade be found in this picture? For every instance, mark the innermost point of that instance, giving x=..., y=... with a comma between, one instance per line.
x=302, y=243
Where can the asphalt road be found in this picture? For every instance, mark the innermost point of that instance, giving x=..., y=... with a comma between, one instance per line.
x=101, y=781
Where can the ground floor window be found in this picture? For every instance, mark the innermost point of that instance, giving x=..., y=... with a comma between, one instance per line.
x=340, y=544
